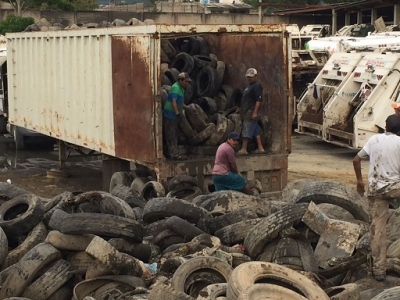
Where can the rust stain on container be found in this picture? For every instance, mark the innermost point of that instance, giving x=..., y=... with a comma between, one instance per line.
x=271, y=69
x=133, y=101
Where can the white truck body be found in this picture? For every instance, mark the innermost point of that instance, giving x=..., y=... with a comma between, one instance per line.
x=318, y=94
x=361, y=105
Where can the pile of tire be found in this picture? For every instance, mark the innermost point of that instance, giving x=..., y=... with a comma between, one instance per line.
x=212, y=107
x=220, y=245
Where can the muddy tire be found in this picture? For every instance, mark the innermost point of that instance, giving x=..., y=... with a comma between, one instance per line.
x=103, y=225
x=159, y=208
x=220, y=72
x=186, y=127
x=183, y=62
x=337, y=194
x=105, y=202
x=208, y=105
x=168, y=238
x=110, y=257
x=10, y=191
x=87, y=287
x=129, y=196
x=172, y=74
x=68, y=241
x=63, y=293
x=211, y=225
x=57, y=219
x=207, y=82
x=27, y=268
x=204, y=264
x=257, y=292
x=144, y=252
x=172, y=264
x=246, y=275
x=183, y=228
x=236, y=233
x=80, y=261
x=35, y=237
x=196, y=117
x=220, y=99
x=19, y=215
x=202, y=135
x=188, y=193
x=120, y=178
x=212, y=291
x=155, y=228
x=389, y=294
x=168, y=48
x=53, y=279
x=237, y=123
x=266, y=230
x=201, y=61
x=344, y=292
x=3, y=246
x=48, y=205
x=221, y=128
x=181, y=181
x=152, y=189
x=164, y=292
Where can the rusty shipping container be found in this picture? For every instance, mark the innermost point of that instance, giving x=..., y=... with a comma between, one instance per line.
x=100, y=89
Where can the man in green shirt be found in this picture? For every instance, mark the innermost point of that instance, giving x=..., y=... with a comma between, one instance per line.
x=172, y=113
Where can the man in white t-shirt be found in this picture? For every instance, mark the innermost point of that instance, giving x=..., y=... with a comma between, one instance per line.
x=383, y=151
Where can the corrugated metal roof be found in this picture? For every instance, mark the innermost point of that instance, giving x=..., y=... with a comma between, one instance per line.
x=306, y=9
x=228, y=5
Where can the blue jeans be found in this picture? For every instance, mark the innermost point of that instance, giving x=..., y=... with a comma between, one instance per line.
x=250, y=129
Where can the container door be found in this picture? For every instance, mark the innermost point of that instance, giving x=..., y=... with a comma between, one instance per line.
x=134, y=86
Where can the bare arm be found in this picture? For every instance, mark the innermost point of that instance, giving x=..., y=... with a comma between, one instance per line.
x=357, y=170
x=234, y=168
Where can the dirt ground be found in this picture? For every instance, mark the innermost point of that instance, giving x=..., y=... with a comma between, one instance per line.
x=310, y=158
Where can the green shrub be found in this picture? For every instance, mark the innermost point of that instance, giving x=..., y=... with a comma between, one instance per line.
x=14, y=23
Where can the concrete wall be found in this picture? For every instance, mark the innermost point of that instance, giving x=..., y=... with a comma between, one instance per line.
x=69, y=18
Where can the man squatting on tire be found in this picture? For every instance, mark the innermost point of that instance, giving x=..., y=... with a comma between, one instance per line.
x=383, y=151
x=225, y=171
x=172, y=113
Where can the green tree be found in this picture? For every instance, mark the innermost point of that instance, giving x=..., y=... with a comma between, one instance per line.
x=14, y=23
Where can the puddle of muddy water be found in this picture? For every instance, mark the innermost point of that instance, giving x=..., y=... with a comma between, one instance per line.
x=39, y=157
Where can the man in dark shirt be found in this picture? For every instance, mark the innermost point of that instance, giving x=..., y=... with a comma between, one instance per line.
x=249, y=110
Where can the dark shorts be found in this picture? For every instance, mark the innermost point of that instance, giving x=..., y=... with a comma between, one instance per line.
x=250, y=129
x=231, y=181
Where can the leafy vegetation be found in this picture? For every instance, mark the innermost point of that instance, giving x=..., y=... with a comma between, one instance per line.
x=14, y=23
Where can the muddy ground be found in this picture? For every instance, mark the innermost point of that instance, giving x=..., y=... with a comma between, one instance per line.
x=310, y=158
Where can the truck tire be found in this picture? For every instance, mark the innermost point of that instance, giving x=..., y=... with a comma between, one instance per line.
x=120, y=178
x=229, y=129
x=258, y=291
x=172, y=264
x=191, y=91
x=105, y=202
x=27, y=268
x=183, y=228
x=19, y=215
x=172, y=75
x=207, y=82
x=211, y=225
x=181, y=181
x=203, y=135
x=116, y=261
x=47, y=284
x=203, y=47
x=152, y=189
x=348, y=291
x=201, y=61
x=266, y=230
x=63, y=293
x=236, y=98
x=237, y=123
x=103, y=225
x=389, y=294
x=220, y=72
x=168, y=238
x=246, y=275
x=236, y=233
x=144, y=252
x=165, y=292
x=10, y=191
x=190, y=45
x=208, y=105
x=183, y=62
x=57, y=219
x=3, y=246
x=337, y=194
x=188, y=193
x=221, y=101
x=35, y=237
x=221, y=128
x=159, y=208
x=205, y=264
x=168, y=48
x=129, y=196
x=69, y=242
x=196, y=117
x=228, y=91
x=292, y=189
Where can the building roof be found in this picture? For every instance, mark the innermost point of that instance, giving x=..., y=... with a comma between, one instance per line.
x=305, y=9
x=228, y=5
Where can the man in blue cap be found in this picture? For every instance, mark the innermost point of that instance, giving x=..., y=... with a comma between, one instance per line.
x=225, y=171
